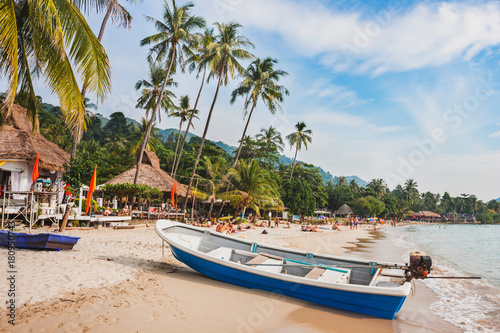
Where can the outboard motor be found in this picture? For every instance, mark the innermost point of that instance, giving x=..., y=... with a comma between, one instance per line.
x=420, y=265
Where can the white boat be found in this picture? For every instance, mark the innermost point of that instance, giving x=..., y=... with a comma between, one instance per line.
x=372, y=288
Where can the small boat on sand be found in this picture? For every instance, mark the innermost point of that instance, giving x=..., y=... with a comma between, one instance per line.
x=37, y=241
x=373, y=288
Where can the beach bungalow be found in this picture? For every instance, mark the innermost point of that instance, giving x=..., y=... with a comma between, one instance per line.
x=19, y=147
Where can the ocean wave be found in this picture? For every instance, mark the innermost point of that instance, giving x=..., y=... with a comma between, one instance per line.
x=471, y=305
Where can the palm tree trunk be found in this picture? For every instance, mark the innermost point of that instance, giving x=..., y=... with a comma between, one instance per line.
x=293, y=165
x=176, y=147
x=153, y=116
x=104, y=21
x=189, y=123
x=76, y=139
x=243, y=136
x=73, y=146
x=203, y=137
x=241, y=144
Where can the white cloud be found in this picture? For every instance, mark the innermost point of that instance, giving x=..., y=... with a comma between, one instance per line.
x=495, y=134
x=391, y=40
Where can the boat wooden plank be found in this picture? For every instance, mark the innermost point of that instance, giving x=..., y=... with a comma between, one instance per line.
x=315, y=273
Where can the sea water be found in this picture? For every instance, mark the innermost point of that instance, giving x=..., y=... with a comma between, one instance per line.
x=459, y=250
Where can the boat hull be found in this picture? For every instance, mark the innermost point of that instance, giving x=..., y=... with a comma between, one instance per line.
x=382, y=306
x=38, y=241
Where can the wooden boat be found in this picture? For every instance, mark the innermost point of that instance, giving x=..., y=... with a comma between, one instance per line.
x=377, y=289
x=37, y=241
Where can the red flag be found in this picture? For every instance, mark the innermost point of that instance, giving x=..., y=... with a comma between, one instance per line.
x=172, y=194
x=66, y=188
x=91, y=189
x=35, y=174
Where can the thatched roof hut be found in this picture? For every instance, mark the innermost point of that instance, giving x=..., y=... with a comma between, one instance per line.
x=427, y=214
x=344, y=210
x=18, y=142
x=150, y=174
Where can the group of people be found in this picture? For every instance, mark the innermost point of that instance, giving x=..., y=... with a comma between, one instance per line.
x=225, y=228
x=124, y=212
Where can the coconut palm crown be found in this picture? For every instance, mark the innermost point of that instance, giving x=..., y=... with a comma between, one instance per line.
x=296, y=139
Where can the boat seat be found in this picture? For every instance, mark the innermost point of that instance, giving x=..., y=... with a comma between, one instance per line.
x=393, y=273
x=221, y=253
x=329, y=275
x=315, y=273
x=267, y=262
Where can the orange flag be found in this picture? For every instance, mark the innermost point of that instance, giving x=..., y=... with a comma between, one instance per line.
x=91, y=189
x=172, y=194
x=35, y=174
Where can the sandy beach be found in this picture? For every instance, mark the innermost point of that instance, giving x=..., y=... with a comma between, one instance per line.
x=118, y=281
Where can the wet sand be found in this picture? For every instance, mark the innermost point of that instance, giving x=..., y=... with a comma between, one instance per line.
x=156, y=294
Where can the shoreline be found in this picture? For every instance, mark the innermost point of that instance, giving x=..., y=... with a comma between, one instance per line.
x=124, y=284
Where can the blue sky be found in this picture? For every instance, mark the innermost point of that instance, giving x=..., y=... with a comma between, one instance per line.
x=391, y=90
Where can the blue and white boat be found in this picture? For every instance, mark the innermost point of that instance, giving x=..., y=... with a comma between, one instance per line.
x=46, y=241
x=373, y=288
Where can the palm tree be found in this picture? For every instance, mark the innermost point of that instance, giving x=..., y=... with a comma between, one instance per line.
x=225, y=51
x=151, y=90
x=215, y=172
x=138, y=134
x=34, y=38
x=174, y=34
x=297, y=139
x=259, y=80
x=183, y=113
x=119, y=14
x=272, y=136
x=354, y=186
x=410, y=192
x=378, y=186
x=115, y=143
x=78, y=129
x=254, y=189
x=341, y=181
x=197, y=61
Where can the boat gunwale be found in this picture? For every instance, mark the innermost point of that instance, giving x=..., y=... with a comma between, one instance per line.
x=400, y=291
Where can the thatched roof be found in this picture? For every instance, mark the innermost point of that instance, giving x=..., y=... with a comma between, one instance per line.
x=18, y=142
x=344, y=210
x=426, y=213
x=150, y=174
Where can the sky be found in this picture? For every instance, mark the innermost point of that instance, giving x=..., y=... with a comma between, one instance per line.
x=393, y=90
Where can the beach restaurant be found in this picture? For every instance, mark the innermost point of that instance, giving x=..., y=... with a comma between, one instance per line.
x=153, y=176
x=20, y=147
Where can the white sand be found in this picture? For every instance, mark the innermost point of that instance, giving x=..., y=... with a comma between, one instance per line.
x=138, y=290
x=106, y=257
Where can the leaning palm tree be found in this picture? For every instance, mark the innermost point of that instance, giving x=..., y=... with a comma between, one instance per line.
x=225, y=51
x=254, y=188
x=151, y=90
x=34, y=39
x=260, y=80
x=118, y=14
x=184, y=113
x=215, y=172
x=197, y=62
x=175, y=32
x=297, y=139
x=271, y=136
